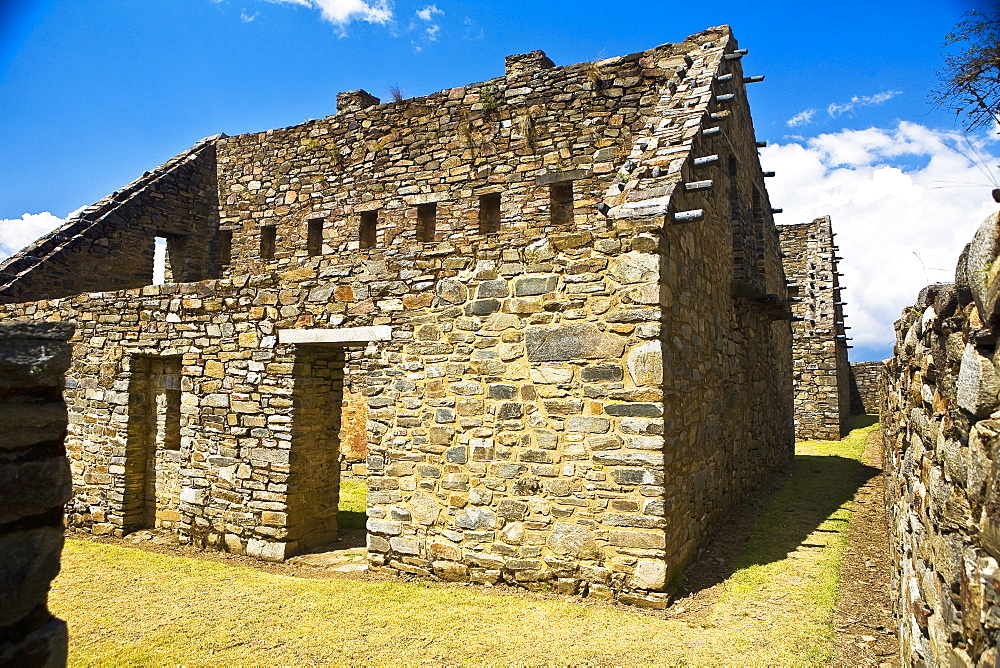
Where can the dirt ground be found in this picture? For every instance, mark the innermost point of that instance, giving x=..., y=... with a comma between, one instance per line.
x=866, y=632
x=863, y=621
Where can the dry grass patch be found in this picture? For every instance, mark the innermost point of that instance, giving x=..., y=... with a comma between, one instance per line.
x=127, y=606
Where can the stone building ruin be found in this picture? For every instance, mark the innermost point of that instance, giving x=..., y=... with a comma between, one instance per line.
x=554, y=299
x=865, y=379
x=819, y=341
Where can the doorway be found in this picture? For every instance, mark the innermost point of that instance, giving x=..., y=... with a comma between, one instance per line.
x=152, y=450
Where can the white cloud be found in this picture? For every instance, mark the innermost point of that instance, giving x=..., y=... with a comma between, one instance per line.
x=898, y=198
x=248, y=18
x=16, y=233
x=862, y=101
x=342, y=12
x=802, y=118
x=432, y=32
x=429, y=11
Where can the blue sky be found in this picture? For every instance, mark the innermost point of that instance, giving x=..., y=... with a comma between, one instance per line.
x=94, y=92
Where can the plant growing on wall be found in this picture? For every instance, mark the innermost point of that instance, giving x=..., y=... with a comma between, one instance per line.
x=488, y=98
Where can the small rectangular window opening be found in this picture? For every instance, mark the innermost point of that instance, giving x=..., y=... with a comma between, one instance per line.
x=561, y=203
x=426, y=221
x=314, y=238
x=267, y=239
x=225, y=247
x=159, y=260
x=489, y=213
x=368, y=229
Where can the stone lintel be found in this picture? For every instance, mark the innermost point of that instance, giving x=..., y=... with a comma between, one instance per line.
x=344, y=336
x=560, y=177
x=427, y=198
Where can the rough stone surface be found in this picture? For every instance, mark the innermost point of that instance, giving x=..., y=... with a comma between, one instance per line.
x=554, y=370
x=34, y=485
x=940, y=416
x=866, y=377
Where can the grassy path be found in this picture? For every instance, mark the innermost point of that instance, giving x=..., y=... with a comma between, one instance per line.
x=127, y=606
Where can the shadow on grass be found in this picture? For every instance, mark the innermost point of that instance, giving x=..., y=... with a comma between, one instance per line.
x=818, y=486
x=769, y=527
x=861, y=421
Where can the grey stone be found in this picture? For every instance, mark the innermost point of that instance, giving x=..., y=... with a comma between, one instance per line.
x=634, y=267
x=457, y=454
x=525, y=286
x=982, y=267
x=451, y=291
x=634, y=410
x=482, y=307
x=33, y=363
x=634, y=477
x=216, y=401
x=387, y=527
x=495, y=288
x=601, y=372
x=376, y=543
x=510, y=509
x=573, y=540
x=404, y=545
x=650, y=574
x=616, y=458
x=509, y=410
x=30, y=562
x=645, y=364
x=570, y=342
x=424, y=509
x=501, y=391
x=476, y=519
x=588, y=425
x=977, y=383
x=526, y=487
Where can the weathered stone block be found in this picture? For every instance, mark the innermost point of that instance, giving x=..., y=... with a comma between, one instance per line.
x=477, y=519
x=570, y=342
x=573, y=540
x=30, y=562
x=977, y=384
x=645, y=364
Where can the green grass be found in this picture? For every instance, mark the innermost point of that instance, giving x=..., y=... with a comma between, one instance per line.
x=796, y=548
x=351, y=510
x=130, y=607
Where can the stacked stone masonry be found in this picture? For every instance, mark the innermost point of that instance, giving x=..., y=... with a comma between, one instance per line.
x=550, y=306
x=941, y=425
x=866, y=378
x=34, y=485
x=819, y=342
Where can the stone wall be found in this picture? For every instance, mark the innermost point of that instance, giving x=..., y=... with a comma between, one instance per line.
x=110, y=245
x=941, y=422
x=819, y=343
x=34, y=485
x=558, y=294
x=865, y=378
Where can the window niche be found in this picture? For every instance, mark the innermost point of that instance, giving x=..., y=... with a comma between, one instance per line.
x=368, y=229
x=489, y=213
x=225, y=247
x=426, y=221
x=268, y=236
x=561, y=203
x=314, y=236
